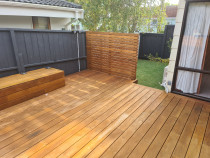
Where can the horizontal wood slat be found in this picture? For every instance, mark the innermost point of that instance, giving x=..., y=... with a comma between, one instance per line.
x=19, y=88
x=113, y=53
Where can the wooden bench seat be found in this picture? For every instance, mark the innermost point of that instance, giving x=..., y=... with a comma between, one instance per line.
x=19, y=88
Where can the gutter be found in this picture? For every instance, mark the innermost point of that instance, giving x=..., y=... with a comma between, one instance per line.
x=38, y=6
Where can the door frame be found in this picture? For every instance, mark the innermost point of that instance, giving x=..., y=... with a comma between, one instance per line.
x=177, y=67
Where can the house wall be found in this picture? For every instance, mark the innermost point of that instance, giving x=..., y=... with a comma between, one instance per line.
x=175, y=42
x=26, y=22
x=15, y=22
x=58, y=23
x=27, y=9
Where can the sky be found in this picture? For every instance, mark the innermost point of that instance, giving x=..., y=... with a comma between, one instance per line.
x=173, y=1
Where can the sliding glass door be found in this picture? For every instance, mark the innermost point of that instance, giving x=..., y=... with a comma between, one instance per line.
x=192, y=73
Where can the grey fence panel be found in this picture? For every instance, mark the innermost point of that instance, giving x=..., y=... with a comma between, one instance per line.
x=7, y=57
x=68, y=67
x=82, y=52
x=39, y=48
x=156, y=44
x=8, y=72
x=169, y=32
x=150, y=43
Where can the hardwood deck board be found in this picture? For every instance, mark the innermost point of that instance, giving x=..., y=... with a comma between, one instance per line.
x=117, y=145
x=61, y=136
x=175, y=133
x=98, y=115
x=139, y=133
x=10, y=112
x=31, y=128
x=98, y=151
x=205, y=149
x=198, y=135
x=49, y=128
x=55, y=92
x=65, y=99
x=67, y=89
x=121, y=108
x=105, y=127
x=184, y=140
x=125, y=124
x=157, y=143
x=149, y=136
x=59, y=102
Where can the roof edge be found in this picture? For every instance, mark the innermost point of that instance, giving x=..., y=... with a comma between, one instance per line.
x=30, y=5
x=59, y=3
x=78, y=13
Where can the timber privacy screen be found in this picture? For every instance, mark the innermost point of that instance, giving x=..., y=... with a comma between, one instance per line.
x=24, y=50
x=113, y=53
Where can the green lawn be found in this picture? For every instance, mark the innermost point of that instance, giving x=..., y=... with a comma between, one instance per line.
x=150, y=73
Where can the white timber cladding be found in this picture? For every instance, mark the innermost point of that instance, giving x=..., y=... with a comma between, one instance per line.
x=25, y=22
x=19, y=15
x=175, y=42
x=27, y=9
x=16, y=22
x=59, y=23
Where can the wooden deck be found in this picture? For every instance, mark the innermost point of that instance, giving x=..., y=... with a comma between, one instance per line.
x=18, y=88
x=100, y=115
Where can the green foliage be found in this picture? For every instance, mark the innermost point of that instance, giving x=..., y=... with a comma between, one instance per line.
x=127, y=16
x=150, y=73
x=157, y=59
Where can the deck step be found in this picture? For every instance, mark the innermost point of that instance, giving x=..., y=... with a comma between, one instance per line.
x=19, y=88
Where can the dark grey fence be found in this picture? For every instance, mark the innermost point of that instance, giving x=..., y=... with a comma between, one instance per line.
x=150, y=43
x=24, y=50
x=156, y=44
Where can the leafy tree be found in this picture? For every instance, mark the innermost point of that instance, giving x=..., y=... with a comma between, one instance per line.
x=161, y=16
x=126, y=16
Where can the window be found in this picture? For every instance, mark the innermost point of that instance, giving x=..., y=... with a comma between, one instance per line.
x=78, y=27
x=75, y=27
x=41, y=23
x=192, y=71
